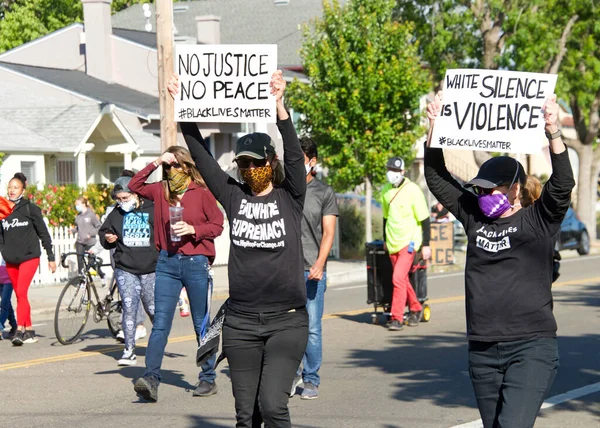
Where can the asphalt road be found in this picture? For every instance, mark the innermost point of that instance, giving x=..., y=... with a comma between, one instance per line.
x=370, y=377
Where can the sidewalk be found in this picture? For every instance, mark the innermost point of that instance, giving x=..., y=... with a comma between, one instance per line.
x=43, y=299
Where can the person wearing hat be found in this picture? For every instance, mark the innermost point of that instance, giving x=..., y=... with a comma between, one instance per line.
x=406, y=231
x=183, y=262
x=266, y=323
x=513, y=351
x=129, y=231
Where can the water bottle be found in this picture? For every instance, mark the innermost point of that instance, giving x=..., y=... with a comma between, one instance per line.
x=411, y=247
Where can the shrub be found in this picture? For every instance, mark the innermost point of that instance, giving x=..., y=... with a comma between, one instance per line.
x=352, y=228
x=58, y=202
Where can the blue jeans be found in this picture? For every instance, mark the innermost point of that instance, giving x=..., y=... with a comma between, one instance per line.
x=313, y=356
x=174, y=271
x=6, y=309
x=512, y=379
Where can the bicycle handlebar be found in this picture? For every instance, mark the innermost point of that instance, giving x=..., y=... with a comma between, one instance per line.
x=63, y=257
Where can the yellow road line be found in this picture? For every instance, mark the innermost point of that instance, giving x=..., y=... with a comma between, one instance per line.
x=82, y=354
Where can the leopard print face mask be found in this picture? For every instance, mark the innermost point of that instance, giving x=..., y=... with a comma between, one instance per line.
x=258, y=178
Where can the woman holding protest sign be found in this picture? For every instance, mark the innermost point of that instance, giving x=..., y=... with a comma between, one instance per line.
x=266, y=323
x=513, y=352
x=186, y=222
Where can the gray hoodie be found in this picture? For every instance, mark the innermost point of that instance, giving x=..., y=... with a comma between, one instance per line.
x=87, y=226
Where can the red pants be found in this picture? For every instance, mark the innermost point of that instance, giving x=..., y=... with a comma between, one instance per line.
x=403, y=291
x=21, y=276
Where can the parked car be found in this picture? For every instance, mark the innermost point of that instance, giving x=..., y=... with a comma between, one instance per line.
x=573, y=234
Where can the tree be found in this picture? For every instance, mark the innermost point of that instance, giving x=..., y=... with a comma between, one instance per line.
x=362, y=103
x=22, y=21
x=555, y=36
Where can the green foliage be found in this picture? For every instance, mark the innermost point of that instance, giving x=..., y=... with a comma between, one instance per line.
x=22, y=21
x=58, y=202
x=362, y=103
x=26, y=20
x=352, y=228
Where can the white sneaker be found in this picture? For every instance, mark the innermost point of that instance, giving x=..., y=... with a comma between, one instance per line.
x=128, y=358
x=120, y=336
x=140, y=332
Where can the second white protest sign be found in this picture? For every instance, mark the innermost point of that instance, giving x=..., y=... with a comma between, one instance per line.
x=225, y=83
x=493, y=110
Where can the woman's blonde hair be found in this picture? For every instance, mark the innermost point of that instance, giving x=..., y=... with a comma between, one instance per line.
x=530, y=191
x=184, y=158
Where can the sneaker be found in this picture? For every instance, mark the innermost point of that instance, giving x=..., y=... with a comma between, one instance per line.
x=147, y=388
x=395, y=325
x=297, y=381
x=128, y=358
x=18, y=339
x=413, y=319
x=140, y=332
x=310, y=391
x=120, y=336
x=29, y=336
x=205, y=389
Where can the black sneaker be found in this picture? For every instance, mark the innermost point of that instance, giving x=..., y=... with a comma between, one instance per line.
x=395, y=325
x=413, y=319
x=29, y=336
x=205, y=389
x=147, y=388
x=12, y=332
x=18, y=339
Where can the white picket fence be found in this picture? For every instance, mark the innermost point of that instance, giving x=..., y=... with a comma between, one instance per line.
x=63, y=242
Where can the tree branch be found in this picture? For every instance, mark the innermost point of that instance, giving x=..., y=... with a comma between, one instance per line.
x=562, y=45
x=594, y=125
x=578, y=119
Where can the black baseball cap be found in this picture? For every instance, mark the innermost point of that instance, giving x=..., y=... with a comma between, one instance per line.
x=498, y=171
x=257, y=145
x=395, y=164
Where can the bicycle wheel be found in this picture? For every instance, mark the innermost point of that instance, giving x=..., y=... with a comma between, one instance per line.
x=72, y=310
x=115, y=314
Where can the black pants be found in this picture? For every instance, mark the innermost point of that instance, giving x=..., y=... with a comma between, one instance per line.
x=512, y=379
x=264, y=350
x=81, y=248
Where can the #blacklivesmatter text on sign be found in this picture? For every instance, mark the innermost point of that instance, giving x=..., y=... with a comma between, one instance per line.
x=493, y=110
x=225, y=83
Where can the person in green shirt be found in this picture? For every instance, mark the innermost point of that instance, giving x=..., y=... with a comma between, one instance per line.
x=406, y=230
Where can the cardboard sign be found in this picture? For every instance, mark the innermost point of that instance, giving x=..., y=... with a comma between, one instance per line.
x=225, y=83
x=492, y=110
x=442, y=243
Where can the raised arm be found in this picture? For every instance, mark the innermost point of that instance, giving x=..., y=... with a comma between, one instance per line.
x=215, y=178
x=556, y=194
x=439, y=180
x=293, y=158
x=138, y=182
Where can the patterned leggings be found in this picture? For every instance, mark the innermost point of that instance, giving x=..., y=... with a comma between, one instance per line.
x=132, y=289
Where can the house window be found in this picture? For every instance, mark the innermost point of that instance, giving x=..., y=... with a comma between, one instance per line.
x=65, y=171
x=114, y=172
x=28, y=168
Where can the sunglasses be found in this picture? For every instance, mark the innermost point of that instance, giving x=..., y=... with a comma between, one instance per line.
x=245, y=163
x=175, y=165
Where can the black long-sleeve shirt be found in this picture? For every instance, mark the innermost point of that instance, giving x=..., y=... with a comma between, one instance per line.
x=22, y=232
x=508, y=272
x=265, y=261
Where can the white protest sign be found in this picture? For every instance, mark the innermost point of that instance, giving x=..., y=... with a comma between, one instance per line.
x=225, y=83
x=493, y=110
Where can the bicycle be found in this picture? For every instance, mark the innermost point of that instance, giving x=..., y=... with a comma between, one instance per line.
x=79, y=296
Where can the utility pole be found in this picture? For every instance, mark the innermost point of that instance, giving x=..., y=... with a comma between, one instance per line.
x=164, y=44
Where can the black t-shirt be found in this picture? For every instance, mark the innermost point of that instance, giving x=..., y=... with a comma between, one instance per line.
x=508, y=273
x=265, y=260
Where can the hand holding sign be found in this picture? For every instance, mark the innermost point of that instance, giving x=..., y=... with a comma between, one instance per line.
x=173, y=86
x=277, y=85
x=434, y=108
x=551, y=114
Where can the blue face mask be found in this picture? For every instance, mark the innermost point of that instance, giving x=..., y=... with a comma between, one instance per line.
x=79, y=208
x=127, y=206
